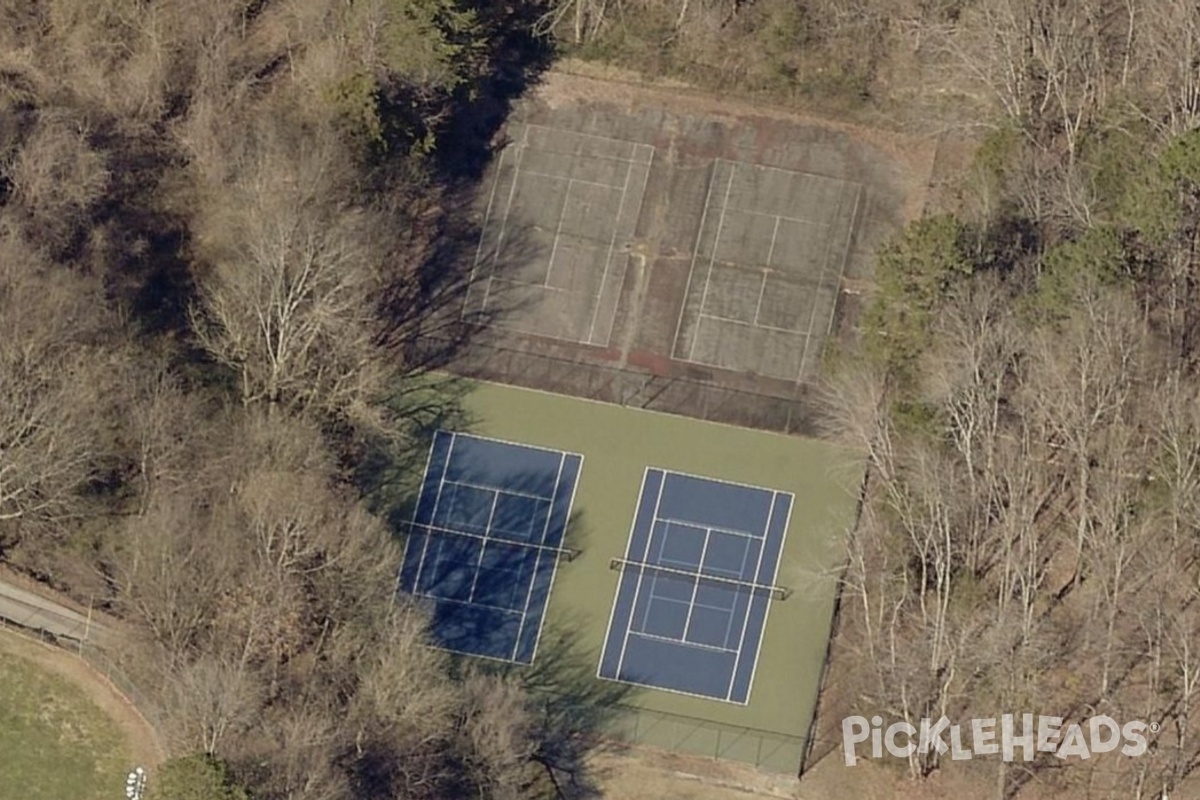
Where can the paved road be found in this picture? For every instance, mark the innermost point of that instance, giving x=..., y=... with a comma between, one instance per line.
x=30, y=610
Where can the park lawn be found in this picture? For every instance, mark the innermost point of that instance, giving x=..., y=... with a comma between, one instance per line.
x=55, y=743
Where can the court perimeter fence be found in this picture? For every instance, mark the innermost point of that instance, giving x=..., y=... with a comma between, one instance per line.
x=681, y=394
x=770, y=751
x=78, y=641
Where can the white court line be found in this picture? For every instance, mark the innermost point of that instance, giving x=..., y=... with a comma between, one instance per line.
x=612, y=186
x=679, y=692
x=577, y=155
x=537, y=562
x=858, y=193
x=483, y=546
x=762, y=290
x=774, y=236
x=612, y=614
x=472, y=604
x=749, y=598
x=638, y=588
x=774, y=576
x=701, y=574
x=436, y=501
x=687, y=290
x=512, y=544
x=501, y=490
x=770, y=254
x=750, y=603
x=413, y=522
x=649, y=165
x=662, y=545
x=512, y=191
x=729, y=630
x=562, y=215
x=483, y=230
x=612, y=242
x=658, y=598
x=682, y=643
x=794, y=172
x=812, y=318
x=713, y=256
x=563, y=543
x=763, y=489
x=531, y=285
x=742, y=322
x=497, y=440
x=487, y=214
x=696, y=586
x=740, y=576
x=740, y=572
x=752, y=213
x=584, y=135
x=702, y=526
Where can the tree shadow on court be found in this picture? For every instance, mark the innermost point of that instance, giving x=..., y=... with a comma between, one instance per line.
x=484, y=562
x=439, y=235
x=574, y=712
x=435, y=307
x=389, y=470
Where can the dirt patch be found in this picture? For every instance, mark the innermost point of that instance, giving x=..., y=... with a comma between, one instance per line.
x=634, y=773
x=648, y=774
x=577, y=82
x=143, y=742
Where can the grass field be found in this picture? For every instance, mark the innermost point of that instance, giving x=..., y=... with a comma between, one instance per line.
x=618, y=444
x=55, y=742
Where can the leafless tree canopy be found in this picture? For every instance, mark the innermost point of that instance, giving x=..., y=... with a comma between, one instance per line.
x=201, y=209
x=221, y=222
x=56, y=375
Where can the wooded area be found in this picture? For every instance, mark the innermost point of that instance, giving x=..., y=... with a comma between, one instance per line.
x=221, y=225
x=1028, y=396
x=207, y=215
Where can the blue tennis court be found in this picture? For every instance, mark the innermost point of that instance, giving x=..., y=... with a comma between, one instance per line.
x=696, y=582
x=485, y=541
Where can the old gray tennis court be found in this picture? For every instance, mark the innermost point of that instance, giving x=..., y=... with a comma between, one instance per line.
x=553, y=248
x=766, y=270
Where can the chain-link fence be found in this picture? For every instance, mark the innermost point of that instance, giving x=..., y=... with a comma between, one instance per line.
x=768, y=750
x=669, y=387
x=79, y=635
x=55, y=627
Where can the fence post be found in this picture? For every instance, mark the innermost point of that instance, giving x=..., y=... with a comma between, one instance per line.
x=87, y=627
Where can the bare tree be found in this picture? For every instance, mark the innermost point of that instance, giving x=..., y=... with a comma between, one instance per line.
x=53, y=387
x=289, y=303
x=976, y=345
x=57, y=178
x=173, y=568
x=497, y=735
x=1084, y=377
x=164, y=422
x=211, y=700
x=1168, y=38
